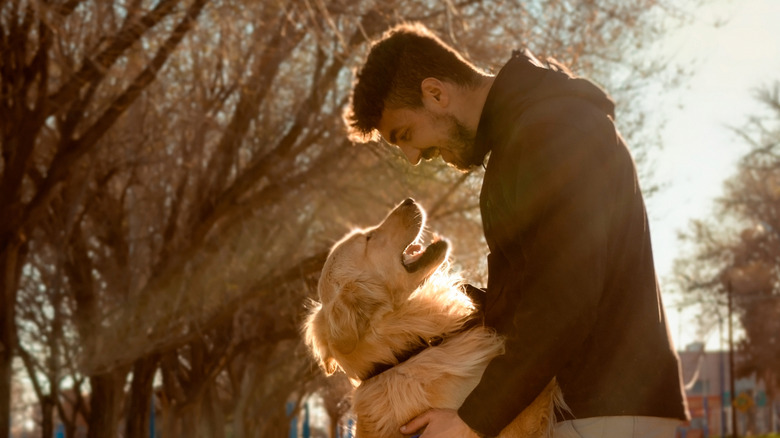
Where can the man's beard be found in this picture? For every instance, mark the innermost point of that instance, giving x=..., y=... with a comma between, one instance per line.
x=460, y=143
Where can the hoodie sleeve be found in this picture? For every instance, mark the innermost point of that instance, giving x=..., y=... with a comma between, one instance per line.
x=549, y=225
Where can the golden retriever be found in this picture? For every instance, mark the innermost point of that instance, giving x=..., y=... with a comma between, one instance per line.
x=397, y=322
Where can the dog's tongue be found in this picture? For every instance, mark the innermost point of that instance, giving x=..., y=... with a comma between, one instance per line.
x=412, y=253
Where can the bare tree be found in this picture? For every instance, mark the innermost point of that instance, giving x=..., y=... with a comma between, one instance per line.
x=176, y=164
x=54, y=68
x=739, y=253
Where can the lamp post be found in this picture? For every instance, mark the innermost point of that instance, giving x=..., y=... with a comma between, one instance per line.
x=722, y=376
x=733, y=397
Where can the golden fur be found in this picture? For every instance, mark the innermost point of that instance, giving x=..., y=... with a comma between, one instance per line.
x=372, y=308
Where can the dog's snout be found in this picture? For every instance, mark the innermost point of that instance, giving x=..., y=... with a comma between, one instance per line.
x=408, y=201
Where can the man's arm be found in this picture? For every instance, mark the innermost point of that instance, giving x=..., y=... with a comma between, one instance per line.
x=555, y=248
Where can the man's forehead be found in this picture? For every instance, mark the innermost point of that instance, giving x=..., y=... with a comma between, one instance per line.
x=393, y=121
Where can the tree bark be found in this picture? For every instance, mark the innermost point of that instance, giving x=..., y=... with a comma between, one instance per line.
x=211, y=411
x=47, y=414
x=189, y=420
x=141, y=391
x=105, y=403
x=5, y=392
x=12, y=255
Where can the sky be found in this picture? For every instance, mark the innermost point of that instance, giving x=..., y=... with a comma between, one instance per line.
x=731, y=60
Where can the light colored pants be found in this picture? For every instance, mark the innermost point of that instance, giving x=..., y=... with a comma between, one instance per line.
x=618, y=427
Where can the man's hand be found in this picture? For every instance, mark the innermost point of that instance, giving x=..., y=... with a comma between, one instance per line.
x=441, y=423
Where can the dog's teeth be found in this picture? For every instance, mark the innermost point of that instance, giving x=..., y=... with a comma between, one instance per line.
x=412, y=253
x=413, y=249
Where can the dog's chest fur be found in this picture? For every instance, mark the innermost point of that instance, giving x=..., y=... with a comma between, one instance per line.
x=438, y=377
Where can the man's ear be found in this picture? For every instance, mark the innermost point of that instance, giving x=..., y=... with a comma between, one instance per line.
x=435, y=94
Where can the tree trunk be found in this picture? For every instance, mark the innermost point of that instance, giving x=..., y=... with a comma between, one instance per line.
x=212, y=413
x=6, y=357
x=333, y=430
x=47, y=414
x=141, y=390
x=277, y=424
x=12, y=254
x=169, y=429
x=189, y=420
x=70, y=429
x=245, y=392
x=105, y=403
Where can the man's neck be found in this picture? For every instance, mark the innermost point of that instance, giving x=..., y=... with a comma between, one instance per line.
x=471, y=101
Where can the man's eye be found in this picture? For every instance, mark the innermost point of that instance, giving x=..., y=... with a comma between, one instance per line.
x=368, y=236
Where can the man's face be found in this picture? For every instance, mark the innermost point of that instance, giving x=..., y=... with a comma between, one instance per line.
x=423, y=134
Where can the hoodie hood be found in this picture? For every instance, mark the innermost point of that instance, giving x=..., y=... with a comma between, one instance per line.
x=525, y=81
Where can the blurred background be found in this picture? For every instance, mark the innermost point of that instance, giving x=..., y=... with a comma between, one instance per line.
x=173, y=173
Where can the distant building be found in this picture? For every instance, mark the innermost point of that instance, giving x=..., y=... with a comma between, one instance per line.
x=706, y=375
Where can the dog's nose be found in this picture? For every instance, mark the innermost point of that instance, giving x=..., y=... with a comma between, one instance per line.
x=408, y=201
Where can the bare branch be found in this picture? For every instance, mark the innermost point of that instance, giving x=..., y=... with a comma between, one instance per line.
x=67, y=156
x=95, y=70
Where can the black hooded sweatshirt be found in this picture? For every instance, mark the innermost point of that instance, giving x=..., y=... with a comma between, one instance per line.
x=571, y=281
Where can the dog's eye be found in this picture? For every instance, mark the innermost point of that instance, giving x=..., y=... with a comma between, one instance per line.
x=368, y=236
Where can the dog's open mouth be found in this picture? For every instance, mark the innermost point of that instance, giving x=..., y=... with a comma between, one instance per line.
x=416, y=256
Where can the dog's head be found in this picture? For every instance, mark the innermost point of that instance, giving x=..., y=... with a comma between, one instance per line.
x=387, y=258
x=368, y=273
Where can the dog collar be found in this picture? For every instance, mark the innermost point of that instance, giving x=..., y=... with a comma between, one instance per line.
x=423, y=345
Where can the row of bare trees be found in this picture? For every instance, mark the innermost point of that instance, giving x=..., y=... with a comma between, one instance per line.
x=174, y=171
x=736, y=257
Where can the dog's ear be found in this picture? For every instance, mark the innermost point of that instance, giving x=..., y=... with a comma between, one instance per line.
x=350, y=316
x=315, y=334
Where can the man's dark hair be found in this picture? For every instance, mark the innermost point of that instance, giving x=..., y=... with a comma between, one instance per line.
x=393, y=72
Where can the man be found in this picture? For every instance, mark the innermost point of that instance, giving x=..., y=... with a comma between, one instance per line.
x=571, y=281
